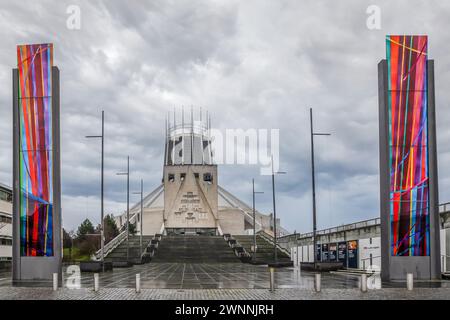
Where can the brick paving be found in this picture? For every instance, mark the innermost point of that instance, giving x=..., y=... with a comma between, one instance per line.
x=23, y=293
x=203, y=276
x=175, y=281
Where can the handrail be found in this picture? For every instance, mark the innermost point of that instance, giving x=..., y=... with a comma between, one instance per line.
x=122, y=236
x=243, y=253
x=114, y=243
x=369, y=258
x=219, y=230
x=263, y=234
x=350, y=226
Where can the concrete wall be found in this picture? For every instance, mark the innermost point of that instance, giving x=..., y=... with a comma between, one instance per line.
x=153, y=220
x=5, y=252
x=192, y=202
x=231, y=221
x=6, y=207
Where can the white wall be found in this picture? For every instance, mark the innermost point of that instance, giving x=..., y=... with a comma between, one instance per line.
x=5, y=251
x=302, y=254
x=445, y=233
x=365, y=249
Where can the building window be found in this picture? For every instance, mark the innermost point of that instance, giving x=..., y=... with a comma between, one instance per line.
x=182, y=176
x=5, y=219
x=196, y=175
x=207, y=177
x=171, y=177
x=6, y=242
x=5, y=196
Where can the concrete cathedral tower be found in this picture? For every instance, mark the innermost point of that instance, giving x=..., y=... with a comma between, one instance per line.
x=190, y=177
x=190, y=200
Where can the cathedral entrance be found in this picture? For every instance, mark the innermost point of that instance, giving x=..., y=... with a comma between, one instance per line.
x=191, y=231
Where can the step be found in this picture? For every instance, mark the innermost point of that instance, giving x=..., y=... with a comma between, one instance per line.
x=194, y=249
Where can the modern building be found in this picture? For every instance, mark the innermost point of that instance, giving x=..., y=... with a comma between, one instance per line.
x=357, y=245
x=5, y=223
x=190, y=200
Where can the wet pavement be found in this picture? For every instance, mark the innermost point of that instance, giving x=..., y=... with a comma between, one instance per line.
x=22, y=293
x=209, y=276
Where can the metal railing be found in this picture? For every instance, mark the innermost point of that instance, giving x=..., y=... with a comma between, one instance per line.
x=369, y=258
x=110, y=246
x=444, y=207
x=263, y=234
x=346, y=227
x=114, y=243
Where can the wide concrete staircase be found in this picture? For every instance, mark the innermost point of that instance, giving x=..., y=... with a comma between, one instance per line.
x=118, y=256
x=264, y=252
x=194, y=249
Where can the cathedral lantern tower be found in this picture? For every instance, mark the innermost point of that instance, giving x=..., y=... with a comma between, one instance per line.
x=190, y=177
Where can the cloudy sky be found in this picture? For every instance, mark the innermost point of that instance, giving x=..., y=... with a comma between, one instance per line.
x=252, y=64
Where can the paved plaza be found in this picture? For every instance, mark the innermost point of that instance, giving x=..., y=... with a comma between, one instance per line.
x=198, y=276
x=25, y=293
x=214, y=281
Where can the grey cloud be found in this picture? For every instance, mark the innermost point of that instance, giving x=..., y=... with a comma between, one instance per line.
x=252, y=64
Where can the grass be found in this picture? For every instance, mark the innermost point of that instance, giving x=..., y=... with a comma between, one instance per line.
x=76, y=256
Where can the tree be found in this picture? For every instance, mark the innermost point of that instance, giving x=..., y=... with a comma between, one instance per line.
x=67, y=244
x=111, y=231
x=67, y=239
x=87, y=240
x=86, y=227
x=132, y=229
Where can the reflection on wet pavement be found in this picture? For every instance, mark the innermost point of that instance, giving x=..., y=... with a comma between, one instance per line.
x=209, y=276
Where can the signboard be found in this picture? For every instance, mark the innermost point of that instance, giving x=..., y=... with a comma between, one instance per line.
x=319, y=254
x=325, y=252
x=332, y=252
x=342, y=252
x=352, y=251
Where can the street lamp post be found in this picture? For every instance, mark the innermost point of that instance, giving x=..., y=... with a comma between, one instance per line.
x=142, y=212
x=127, y=173
x=314, y=185
x=102, y=226
x=254, y=221
x=274, y=213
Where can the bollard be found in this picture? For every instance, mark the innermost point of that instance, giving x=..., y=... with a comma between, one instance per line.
x=409, y=281
x=364, y=282
x=317, y=282
x=95, y=281
x=55, y=281
x=138, y=282
x=272, y=279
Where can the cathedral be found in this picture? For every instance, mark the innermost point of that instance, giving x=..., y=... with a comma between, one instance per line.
x=189, y=200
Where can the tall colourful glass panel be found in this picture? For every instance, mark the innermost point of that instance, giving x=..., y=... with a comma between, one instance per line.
x=408, y=150
x=34, y=64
